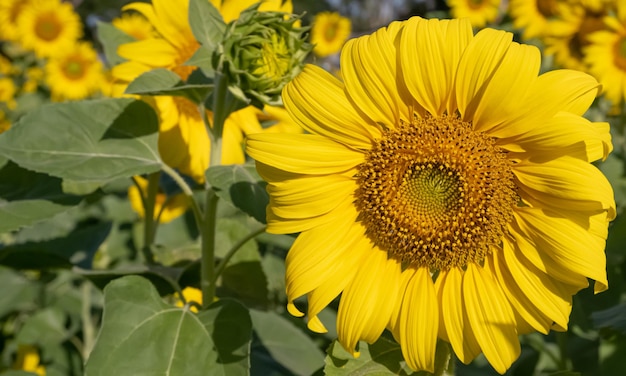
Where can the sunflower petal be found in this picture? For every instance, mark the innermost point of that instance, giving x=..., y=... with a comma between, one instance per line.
x=491, y=318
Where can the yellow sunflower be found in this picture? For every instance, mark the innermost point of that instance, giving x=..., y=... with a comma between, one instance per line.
x=135, y=25
x=231, y=9
x=329, y=32
x=606, y=57
x=48, y=27
x=5, y=124
x=568, y=35
x=7, y=92
x=191, y=294
x=9, y=11
x=183, y=142
x=532, y=16
x=479, y=12
x=28, y=360
x=444, y=182
x=166, y=208
x=75, y=73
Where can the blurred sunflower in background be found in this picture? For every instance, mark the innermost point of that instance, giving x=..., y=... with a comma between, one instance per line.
x=479, y=12
x=9, y=12
x=455, y=191
x=74, y=74
x=533, y=16
x=329, y=31
x=48, y=27
x=166, y=207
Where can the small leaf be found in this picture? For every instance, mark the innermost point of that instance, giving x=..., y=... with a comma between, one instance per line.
x=206, y=23
x=44, y=328
x=19, y=293
x=287, y=344
x=384, y=357
x=142, y=335
x=163, y=278
x=613, y=318
x=111, y=38
x=242, y=186
x=27, y=197
x=87, y=141
x=165, y=82
x=77, y=248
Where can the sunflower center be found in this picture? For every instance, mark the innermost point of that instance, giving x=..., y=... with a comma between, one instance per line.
x=74, y=69
x=48, y=27
x=548, y=8
x=620, y=53
x=475, y=4
x=331, y=31
x=274, y=61
x=435, y=193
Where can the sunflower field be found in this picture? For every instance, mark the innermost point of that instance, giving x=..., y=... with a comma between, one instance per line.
x=292, y=187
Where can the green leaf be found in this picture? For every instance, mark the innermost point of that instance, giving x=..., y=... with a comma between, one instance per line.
x=111, y=38
x=612, y=318
x=384, y=357
x=163, y=278
x=165, y=82
x=87, y=141
x=76, y=248
x=44, y=328
x=18, y=294
x=17, y=373
x=27, y=197
x=287, y=344
x=142, y=335
x=206, y=23
x=242, y=186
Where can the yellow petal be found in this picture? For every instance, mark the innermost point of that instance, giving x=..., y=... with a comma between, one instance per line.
x=153, y=52
x=368, y=68
x=573, y=249
x=462, y=338
x=566, y=182
x=480, y=59
x=316, y=100
x=419, y=321
x=562, y=90
x=173, y=21
x=491, y=318
x=498, y=105
x=129, y=70
x=367, y=302
x=302, y=153
x=429, y=57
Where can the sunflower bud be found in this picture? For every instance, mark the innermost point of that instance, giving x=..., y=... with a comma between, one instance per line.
x=261, y=52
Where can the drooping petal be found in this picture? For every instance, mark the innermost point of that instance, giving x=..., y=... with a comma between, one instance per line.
x=491, y=318
x=480, y=60
x=368, y=68
x=316, y=100
x=367, y=302
x=574, y=250
x=457, y=326
x=302, y=153
x=419, y=321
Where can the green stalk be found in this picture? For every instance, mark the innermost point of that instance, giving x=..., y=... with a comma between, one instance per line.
x=150, y=225
x=231, y=252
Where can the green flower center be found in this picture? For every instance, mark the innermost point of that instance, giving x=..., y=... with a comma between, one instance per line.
x=274, y=61
x=48, y=27
x=436, y=193
x=74, y=69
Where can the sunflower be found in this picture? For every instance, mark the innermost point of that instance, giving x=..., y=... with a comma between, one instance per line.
x=606, y=57
x=28, y=360
x=75, y=73
x=9, y=11
x=5, y=123
x=569, y=34
x=329, y=32
x=191, y=295
x=443, y=182
x=533, y=16
x=166, y=208
x=135, y=25
x=231, y=9
x=48, y=27
x=479, y=12
x=7, y=92
x=183, y=142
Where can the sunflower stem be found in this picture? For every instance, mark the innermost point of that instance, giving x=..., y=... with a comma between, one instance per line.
x=231, y=252
x=150, y=225
x=182, y=184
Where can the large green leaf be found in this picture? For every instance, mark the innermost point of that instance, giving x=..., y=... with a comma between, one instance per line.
x=242, y=186
x=27, y=197
x=76, y=248
x=384, y=357
x=165, y=82
x=142, y=335
x=286, y=343
x=206, y=23
x=88, y=141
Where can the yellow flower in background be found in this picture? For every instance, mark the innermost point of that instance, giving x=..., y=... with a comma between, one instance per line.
x=135, y=25
x=5, y=124
x=479, y=12
x=7, y=92
x=28, y=360
x=9, y=12
x=329, y=32
x=191, y=294
x=606, y=57
x=166, y=208
x=453, y=190
x=75, y=73
x=533, y=16
x=568, y=35
x=231, y=9
x=34, y=76
x=48, y=27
